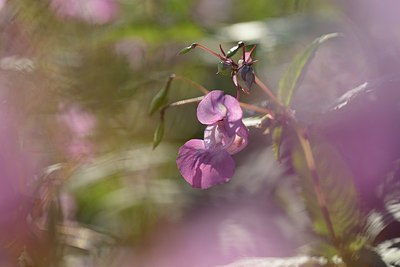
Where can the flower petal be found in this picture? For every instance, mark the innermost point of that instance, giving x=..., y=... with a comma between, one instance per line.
x=216, y=106
x=204, y=168
x=235, y=112
x=240, y=139
x=212, y=109
x=232, y=137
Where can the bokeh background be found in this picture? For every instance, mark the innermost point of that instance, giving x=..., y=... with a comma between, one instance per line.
x=80, y=184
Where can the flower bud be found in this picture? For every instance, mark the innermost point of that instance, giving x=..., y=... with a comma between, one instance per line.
x=224, y=68
x=246, y=77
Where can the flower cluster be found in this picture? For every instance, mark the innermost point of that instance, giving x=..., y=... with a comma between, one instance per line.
x=208, y=162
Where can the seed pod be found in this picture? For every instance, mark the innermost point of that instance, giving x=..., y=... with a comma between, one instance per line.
x=187, y=49
x=158, y=134
x=234, y=49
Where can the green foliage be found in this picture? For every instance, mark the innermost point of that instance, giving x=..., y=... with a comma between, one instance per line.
x=338, y=188
x=292, y=78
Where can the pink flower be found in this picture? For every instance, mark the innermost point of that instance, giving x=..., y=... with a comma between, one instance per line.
x=208, y=162
x=92, y=11
x=81, y=125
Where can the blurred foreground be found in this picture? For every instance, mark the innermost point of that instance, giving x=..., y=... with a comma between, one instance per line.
x=80, y=184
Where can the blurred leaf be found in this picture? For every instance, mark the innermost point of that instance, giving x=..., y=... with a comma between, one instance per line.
x=383, y=223
x=389, y=252
x=158, y=134
x=338, y=188
x=292, y=78
x=300, y=261
x=277, y=135
x=350, y=95
x=161, y=98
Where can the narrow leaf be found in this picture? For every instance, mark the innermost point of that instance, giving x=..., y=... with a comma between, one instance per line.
x=161, y=98
x=187, y=49
x=158, y=134
x=292, y=78
x=277, y=135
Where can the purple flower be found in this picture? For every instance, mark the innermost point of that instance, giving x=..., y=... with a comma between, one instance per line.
x=202, y=167
x=216, y=106
x=208, y=162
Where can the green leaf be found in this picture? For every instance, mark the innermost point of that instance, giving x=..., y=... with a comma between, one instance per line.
x=234, y=49
x=277, y=135
x=187, y=49
x=292, y=78
x=337, y=185
x=161, y=98
x=158, y=134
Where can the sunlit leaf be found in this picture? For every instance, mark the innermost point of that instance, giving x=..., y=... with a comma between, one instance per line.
x=292, y=78
x=337, y=185
x=161, y=98
x=389, y=252
x=158, y=134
